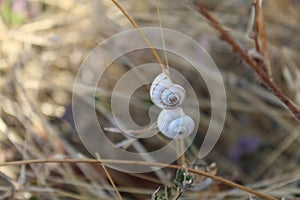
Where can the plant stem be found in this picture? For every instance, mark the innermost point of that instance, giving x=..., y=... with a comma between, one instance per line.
x=142, y=163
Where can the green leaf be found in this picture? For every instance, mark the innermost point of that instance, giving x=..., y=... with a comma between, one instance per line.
x=183, y=178
x=168, y=192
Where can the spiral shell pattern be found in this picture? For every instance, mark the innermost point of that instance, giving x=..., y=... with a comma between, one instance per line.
x=165, y=94
x=175, y=123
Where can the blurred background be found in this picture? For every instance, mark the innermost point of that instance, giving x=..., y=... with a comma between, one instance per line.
x=43, y=43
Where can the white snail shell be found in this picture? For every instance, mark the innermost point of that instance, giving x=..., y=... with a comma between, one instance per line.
x=165, y=94
x=175, y=123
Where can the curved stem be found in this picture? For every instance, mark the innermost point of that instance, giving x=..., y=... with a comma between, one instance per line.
x=154, y=52
x=142, y=163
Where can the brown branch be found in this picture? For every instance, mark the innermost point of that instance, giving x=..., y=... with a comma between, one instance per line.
x=264, y=78
x=142, y=163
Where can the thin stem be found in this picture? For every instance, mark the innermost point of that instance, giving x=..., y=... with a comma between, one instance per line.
x=182, y=149
x=154, y=52
x=142, y=163
x=109, y=178
x=224, y=35
x=162, y=32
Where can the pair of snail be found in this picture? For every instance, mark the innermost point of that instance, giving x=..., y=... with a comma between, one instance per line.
x=172, y=121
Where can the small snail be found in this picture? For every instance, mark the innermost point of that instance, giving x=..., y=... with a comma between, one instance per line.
x=175, y=123
x=165, y=94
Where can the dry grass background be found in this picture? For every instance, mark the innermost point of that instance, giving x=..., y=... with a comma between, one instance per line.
x=41, y=53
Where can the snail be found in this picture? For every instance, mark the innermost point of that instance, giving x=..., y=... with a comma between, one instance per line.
x=175, y=123
x=165, y=94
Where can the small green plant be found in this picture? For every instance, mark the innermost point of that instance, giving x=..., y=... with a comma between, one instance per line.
x=182, y=181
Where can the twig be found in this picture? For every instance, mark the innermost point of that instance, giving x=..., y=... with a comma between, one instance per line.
x=142, y=163
x=264, y=78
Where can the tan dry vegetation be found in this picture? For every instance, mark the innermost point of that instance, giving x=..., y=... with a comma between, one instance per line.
x=40, y=58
